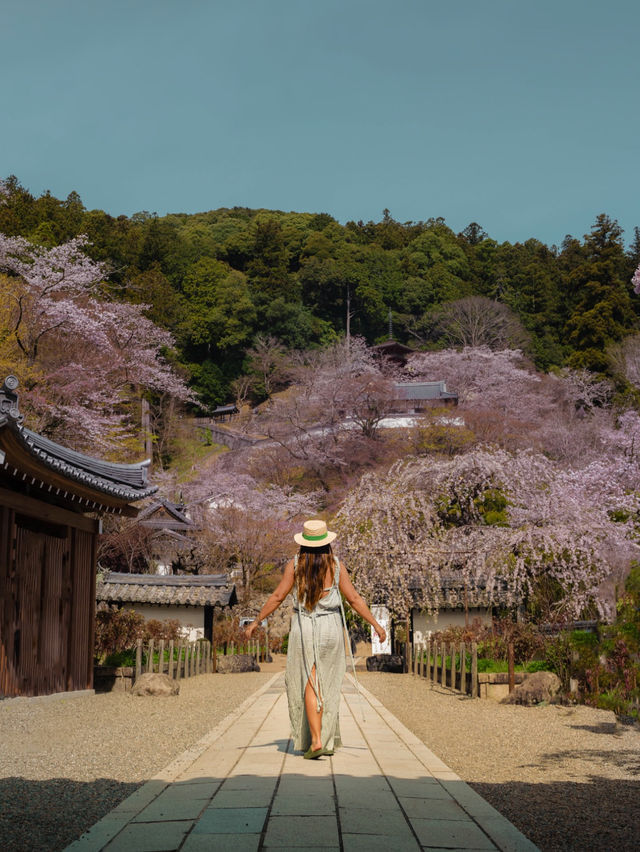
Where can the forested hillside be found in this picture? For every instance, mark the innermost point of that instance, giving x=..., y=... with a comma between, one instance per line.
x=217, y=279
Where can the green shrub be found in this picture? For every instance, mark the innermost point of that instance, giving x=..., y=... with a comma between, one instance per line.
x=121, y=658
x=536, y=666
x=559, y=655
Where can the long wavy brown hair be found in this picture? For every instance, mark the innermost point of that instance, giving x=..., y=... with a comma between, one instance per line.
x=313, y=564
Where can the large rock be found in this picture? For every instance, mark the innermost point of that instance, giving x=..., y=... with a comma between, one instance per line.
x=154, y=683
x=237, y=663
x=534, y=689
x=385, y=663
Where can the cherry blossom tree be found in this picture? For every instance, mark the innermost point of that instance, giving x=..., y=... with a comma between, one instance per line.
x=481, y=376
x=248, y=526
x=518, y=524
x=83, y=361
x=505, y=401
x=336, y=392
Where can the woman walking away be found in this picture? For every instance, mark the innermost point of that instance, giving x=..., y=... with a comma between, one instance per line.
x=316, y=652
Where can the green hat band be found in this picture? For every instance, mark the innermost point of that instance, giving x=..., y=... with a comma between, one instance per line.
x=314, y=537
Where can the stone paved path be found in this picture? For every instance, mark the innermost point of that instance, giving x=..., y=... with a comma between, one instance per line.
x=243, y=788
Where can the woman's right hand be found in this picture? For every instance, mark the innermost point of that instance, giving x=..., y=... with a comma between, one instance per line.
x=382, y=633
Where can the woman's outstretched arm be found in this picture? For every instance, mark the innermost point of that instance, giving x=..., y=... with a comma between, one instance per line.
x=274, y=600
x=356, y=602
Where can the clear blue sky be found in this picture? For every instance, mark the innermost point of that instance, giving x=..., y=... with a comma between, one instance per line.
x=519, y=114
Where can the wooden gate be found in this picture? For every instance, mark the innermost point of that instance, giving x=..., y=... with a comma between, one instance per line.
x=47, y=598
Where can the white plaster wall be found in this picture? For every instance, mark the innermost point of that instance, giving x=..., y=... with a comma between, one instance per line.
x=191, y=618
x=424, y=624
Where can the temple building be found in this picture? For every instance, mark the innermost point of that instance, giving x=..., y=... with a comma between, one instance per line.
x=51, y=500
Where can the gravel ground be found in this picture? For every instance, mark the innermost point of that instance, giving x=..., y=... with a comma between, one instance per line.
x=567, y=777
x=66, y=762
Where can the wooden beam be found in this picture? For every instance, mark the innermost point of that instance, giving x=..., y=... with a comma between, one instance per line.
x=46, y=512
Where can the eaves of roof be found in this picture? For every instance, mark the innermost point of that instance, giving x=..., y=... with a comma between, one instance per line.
x=94, y=483
x=165, y=591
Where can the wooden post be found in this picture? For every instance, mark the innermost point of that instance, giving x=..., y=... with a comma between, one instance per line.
x=139, y=658
x=198, y=659
x=443, y=668
x=511, y=665
x=194, y=660
x=407, y=629
x=434, y=668
x=187, y=660
x=161, y=657
x=150, y=657
x=463, y=668
x=266, y=650
x=178, y=661
x=474, y=669
x=214, y=657
x=233, y=648
x=170, y=664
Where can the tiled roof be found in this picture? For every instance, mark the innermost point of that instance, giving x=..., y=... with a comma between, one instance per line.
x=232, y=408
x=181, y=590
x=125, y=481
x=165, y=515
x=423, y=390
x=31, y=456
x=451, y=594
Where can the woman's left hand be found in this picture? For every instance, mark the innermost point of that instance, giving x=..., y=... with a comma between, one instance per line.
x=250, y=629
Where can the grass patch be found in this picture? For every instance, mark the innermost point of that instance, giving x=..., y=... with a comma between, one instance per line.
x=191, y=453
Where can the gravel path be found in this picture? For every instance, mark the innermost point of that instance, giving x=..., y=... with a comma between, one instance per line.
x=567, y=777
x=66, y=762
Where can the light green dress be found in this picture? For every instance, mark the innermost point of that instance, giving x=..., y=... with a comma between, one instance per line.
x=316, y=638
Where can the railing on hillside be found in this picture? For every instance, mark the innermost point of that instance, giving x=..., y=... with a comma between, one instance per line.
x=188, y=659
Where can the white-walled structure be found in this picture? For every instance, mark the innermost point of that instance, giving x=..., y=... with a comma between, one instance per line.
x=190, y=599
x=424, y=624
x=191, y=618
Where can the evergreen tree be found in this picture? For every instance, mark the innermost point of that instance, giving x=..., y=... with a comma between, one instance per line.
x=602, y=310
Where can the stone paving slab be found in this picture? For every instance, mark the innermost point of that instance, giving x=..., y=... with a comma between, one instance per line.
x=243, y=788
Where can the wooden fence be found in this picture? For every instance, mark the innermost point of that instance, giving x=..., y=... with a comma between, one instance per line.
x=450, y=664
x=188, y=659
x=453, y=665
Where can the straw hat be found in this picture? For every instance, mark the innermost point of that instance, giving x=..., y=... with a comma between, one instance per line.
x=314, y=534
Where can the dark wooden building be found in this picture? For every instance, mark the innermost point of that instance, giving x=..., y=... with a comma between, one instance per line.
x=51, y=499
x=391, y=350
